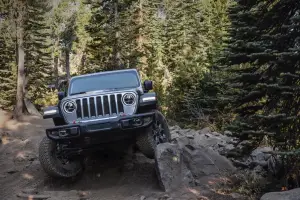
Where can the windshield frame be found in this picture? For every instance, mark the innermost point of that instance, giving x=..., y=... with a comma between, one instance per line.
x=104, y=73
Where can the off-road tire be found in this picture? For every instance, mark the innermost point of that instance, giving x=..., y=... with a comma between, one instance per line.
x=50, y=163
x=145, y=141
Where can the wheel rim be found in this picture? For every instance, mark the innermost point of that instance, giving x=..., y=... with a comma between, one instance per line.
x=70, y=165
x=159, y=133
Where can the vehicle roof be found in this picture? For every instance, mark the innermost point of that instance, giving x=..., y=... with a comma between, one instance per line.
x=104, y=72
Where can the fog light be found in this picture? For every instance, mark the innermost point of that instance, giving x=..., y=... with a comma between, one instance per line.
x=62, y=133
x=137, y=122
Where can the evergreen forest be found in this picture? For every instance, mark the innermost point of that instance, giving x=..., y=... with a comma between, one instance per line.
x=223, y=64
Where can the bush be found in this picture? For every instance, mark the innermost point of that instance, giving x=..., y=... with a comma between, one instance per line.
x=50, y=99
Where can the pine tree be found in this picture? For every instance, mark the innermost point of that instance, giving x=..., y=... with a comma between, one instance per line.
x=7, y=60
x=144, y=40
x=155, y=31
x=105, y=29
x=204, y=102
x=169, y=42
x=133, y=40
x=264, y=71
x=196, y=31
x=65, y=39
x=37, y=48
x=25, y=36
x=82, y=36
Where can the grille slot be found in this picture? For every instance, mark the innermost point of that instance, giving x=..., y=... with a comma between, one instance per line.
x=85, y=108
x=78, y=111
x=120, y=105
x=99, y=106
x=92, y=107
x=106, y=106
x=113, y=104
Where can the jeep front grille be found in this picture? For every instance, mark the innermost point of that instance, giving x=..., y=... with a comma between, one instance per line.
x=99, y=106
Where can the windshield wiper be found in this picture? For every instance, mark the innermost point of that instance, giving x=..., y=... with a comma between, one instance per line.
x=78, y=93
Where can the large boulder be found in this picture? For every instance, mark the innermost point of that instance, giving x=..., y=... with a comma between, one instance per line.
x=215, y=141
x=168, y=160
x=188, y=165
x=205, y=130
x=203, y=162
x=221, y=143
x=258, y=157
x=286, y=195
x=177, y=132
x=182, y=141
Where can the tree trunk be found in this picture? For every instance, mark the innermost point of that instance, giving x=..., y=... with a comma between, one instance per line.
x=56, y=71
x=67, y=52
x=56, y=62
x=116, y=51
x=18, y=112
x=83, y=60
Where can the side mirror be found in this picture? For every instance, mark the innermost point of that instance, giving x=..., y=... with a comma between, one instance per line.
x=61, y=95
x=148, y=85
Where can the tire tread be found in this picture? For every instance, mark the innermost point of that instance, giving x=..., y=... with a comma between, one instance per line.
x=48, y=163
x=145, y=141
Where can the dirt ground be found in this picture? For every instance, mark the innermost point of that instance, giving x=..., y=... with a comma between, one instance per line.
x=104, y=177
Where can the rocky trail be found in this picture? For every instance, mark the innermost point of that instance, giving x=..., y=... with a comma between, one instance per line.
x=192, y=165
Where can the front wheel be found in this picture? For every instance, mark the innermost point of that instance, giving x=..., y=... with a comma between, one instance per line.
x=53, y=162
x=157, y=133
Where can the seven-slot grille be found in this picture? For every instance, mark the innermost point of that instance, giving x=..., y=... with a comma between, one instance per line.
x=99, y=106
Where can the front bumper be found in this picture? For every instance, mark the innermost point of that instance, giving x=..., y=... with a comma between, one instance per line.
x=122, y=123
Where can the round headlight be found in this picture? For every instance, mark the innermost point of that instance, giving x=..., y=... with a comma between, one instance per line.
x=128, y=99
x=69, y=106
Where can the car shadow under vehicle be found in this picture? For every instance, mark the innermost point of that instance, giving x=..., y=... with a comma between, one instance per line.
x=105, y=170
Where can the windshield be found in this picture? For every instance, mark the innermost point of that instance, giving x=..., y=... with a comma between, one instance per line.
x=116, y=80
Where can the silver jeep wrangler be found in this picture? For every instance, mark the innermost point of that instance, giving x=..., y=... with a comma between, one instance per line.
x=99, y=111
